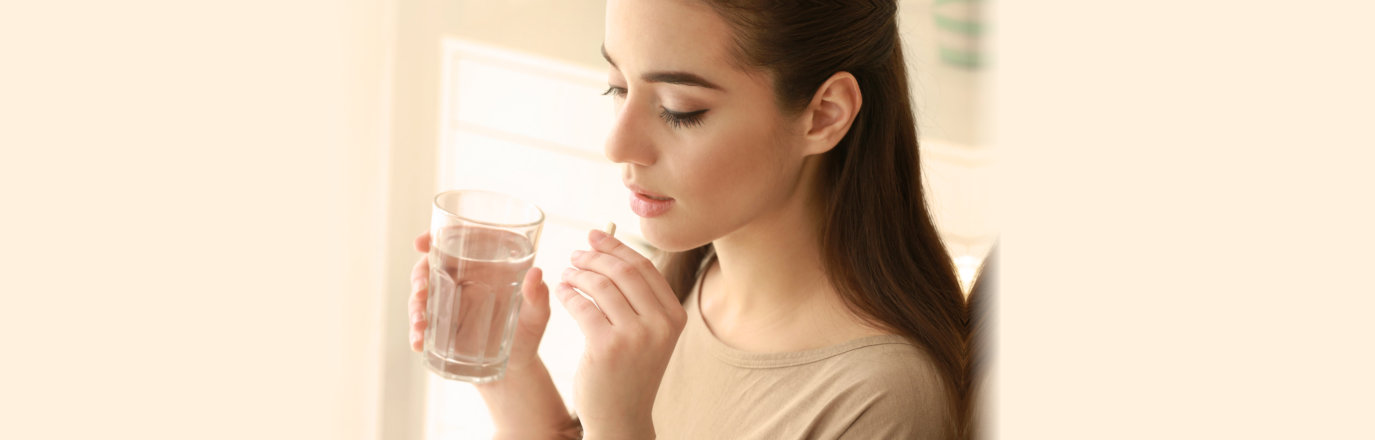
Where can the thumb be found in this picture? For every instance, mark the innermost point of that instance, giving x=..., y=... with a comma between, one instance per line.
x=536, y=294
x=422, y=242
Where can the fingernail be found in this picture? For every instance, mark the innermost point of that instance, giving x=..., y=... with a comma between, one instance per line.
x=597, y=236
x=577, y=254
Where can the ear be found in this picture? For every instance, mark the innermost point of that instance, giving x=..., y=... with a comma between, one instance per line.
x=829, y=116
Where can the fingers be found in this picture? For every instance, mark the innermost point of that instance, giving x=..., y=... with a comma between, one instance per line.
x=536, y=293
x=422, y=243
x=592, y=321
x=607, y=244
x=420, y=272
x=420, y=276
x=608, y=296
x=626, y=279
x=416, y=309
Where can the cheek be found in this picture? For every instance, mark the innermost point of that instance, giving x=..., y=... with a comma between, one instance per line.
x=742, y=169
x=720, y=191
x=724, y=178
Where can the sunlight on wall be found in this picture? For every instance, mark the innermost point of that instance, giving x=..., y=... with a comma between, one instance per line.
x=968, y=267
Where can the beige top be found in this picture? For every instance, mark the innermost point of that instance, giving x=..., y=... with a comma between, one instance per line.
x=876, y=387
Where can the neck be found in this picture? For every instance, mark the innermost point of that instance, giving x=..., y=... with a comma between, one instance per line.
x=769, y=290
x=771, y=268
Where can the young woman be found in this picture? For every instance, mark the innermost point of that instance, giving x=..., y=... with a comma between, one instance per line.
x=770, y=150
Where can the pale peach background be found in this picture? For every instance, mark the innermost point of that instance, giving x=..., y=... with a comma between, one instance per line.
x=192, y=199
x=193, y=209
x=1189, y=219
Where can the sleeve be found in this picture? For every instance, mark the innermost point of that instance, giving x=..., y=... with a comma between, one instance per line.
x=904, y=403
x=890, y=417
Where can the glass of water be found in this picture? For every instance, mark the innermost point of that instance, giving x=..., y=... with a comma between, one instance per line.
x=482, y=243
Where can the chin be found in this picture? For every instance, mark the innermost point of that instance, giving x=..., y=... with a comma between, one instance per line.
x=668, y=238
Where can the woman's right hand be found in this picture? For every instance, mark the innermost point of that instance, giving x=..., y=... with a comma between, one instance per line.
x=534, y=312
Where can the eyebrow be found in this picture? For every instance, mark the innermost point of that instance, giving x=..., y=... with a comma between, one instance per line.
x=674, y=77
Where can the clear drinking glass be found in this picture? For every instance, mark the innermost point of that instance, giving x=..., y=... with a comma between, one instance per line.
x=482, y=243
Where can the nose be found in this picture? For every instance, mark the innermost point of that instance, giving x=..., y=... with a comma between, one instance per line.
x=630, y=141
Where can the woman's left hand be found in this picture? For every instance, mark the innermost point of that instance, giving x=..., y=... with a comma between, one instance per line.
x=631, y=332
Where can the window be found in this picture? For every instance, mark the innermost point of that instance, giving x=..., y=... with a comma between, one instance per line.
x=533, y=128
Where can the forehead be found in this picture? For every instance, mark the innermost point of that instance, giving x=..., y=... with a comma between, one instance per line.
x=679, y=35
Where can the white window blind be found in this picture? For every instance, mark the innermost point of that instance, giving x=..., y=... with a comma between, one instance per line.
x=534, y=128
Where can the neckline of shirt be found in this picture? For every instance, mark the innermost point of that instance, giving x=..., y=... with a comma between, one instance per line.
x=749, y=359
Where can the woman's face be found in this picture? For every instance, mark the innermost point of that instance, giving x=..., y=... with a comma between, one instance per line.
x=691, y=126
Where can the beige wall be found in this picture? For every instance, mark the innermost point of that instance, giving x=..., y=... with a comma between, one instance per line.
x=566, y=30
x=192, y=199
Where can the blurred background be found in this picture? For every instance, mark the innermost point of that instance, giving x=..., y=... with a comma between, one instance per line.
x=216, y=202
x=208, y=208
x=245, y=181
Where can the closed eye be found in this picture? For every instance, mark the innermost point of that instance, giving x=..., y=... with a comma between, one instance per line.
x=675, y=119
x=618, y=92
x=682, y=119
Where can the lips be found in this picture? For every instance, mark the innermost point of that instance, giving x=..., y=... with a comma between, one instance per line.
x=637, y=189
x=661, y=199
x=647, y=203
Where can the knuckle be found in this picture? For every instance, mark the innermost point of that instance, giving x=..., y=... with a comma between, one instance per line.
x=662, y=329
x=646, y=266
x=561, y=291
x=582, y=259
x=572, y=300
x=584, y=308
x=667, y=329
x=603, y=283
x=622, y=270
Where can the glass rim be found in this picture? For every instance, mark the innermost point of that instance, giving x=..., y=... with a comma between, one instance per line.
x=435, y=203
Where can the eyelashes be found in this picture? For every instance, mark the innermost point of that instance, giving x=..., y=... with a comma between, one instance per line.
x=618, y=92
x=675, y=119
x=680, y=120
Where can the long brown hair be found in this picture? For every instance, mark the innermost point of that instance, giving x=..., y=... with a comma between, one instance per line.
x=982, y=304
x=879, y=246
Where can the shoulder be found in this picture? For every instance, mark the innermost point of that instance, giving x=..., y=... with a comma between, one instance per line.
x=890, y=361
x=902, y=393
